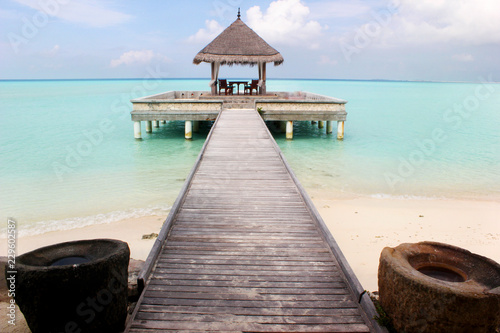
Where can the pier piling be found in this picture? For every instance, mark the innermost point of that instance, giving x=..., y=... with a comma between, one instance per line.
x=329, y=127
x=340, y=130
x=188, y=130
x=289, y=130
x=137, y=130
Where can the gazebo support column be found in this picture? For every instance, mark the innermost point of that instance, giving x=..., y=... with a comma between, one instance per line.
x=262, y=78
x=215, y=75
x=329, y=127
x=137, y=130
x=188, y=130
x=149, y=126
x=156, y=124
x=340, y=130
x=289, y=130
x=321, y=124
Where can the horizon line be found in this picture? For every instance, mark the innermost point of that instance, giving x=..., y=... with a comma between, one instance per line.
x=204, y=78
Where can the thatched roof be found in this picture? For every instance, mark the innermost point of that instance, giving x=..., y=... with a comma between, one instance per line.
x=238, y=44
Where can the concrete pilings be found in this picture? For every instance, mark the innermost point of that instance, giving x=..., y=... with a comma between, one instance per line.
x=283, y=126
x=340, y=130
x=137, y=130
x=289, y=130
x=188, y=129
x=329, y=127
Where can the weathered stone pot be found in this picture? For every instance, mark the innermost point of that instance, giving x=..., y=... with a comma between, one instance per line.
x=434, y=287
x=74, y=287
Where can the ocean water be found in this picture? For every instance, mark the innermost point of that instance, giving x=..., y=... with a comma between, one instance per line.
x=68, y=157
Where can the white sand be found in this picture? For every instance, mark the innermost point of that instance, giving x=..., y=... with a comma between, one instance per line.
x=362, y=228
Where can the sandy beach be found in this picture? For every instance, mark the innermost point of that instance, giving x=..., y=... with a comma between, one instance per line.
x=362, y=227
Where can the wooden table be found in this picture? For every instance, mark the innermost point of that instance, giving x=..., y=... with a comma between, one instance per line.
x=238, y=84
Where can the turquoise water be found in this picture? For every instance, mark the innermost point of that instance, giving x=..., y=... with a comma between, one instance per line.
x=68, y=157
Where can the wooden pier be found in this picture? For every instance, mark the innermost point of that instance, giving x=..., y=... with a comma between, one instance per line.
x=244, y=250
x=195, y=106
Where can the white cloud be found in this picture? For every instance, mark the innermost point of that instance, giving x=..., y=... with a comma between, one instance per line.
x=461, y=21
x=138, y=57
x=328, y=9
x=205, y=35
x=89, y=12
x=425, y=23
x=286, y=22
x=463, y=57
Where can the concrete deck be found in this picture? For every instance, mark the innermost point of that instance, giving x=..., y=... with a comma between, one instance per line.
x=203, y=106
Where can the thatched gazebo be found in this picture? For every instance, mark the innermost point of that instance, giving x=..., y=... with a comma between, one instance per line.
x=238, y=44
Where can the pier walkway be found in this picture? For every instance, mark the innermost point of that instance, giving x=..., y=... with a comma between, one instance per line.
x=244, y=249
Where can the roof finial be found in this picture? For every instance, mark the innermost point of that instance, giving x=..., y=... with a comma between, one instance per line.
x=239, y=12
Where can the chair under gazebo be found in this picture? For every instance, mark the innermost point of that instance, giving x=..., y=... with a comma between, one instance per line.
x=238, y=44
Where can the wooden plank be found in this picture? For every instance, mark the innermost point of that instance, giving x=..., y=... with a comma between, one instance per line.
x=158, y=326
x=333, y=277
x=311, y=320
x=330, y=304
x=235, y=290
x=244, y=268
x=200, y=228
x=231, y=262
x=249, y=284
x=252, y=311
x=248, y=249
x=250, y=297
x=241, y=257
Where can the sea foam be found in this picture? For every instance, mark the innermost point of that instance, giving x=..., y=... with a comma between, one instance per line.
x=42, y=227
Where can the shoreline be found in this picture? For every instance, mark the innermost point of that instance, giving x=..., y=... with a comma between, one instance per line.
x=129, y=230
x=362, y=227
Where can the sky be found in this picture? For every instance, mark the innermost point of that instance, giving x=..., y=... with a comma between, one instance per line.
x=431, y=40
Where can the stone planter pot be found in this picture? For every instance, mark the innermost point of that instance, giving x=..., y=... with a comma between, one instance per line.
x=434, y=287
x=74, y=287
